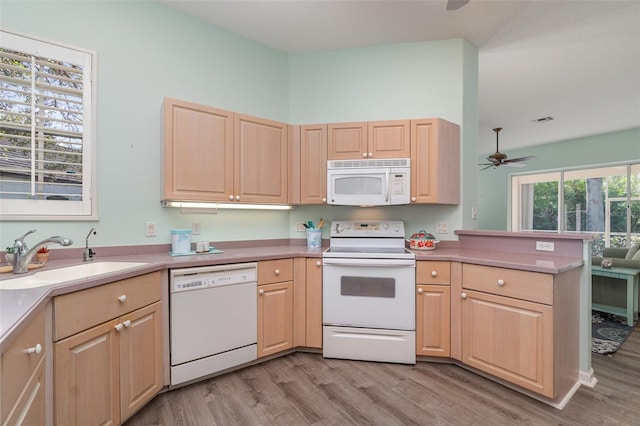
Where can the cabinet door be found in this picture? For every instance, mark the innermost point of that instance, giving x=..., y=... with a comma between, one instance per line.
x=313, y=164
x=31, y=407
x=87, y=377
x=18, y=363
x=347, y=141
x=509, y=338
x=198, y=152
x=389, y=139
x=275, y=318
x=260, y=160
x=140, y=358
x=314, y=303
x=433, y=324
x=435, y=161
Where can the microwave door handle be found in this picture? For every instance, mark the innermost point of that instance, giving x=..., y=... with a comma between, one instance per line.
x=388, y=188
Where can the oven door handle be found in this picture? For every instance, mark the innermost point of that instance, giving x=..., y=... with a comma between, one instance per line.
x=408, y=263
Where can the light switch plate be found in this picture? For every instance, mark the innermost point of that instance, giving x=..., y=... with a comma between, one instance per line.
x=151, y=229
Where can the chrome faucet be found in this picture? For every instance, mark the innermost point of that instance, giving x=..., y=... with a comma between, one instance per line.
x=88, y=253
x=22, y=255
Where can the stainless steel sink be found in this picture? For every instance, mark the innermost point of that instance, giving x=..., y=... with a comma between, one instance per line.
x=69, y=273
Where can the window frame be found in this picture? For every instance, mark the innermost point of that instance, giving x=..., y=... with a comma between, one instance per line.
x=50, y=210
x=515, y=204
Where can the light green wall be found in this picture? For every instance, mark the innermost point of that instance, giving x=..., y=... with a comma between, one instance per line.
x=147, y=51
x=493, y=184
x=410, y=80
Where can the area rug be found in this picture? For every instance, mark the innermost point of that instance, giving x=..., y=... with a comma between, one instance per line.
x=608, y=332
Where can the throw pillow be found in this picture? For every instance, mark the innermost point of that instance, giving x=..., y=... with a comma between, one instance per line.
x=635, y=248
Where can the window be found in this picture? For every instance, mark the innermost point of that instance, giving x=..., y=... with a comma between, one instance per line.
x=47, y=132
x=604, y=201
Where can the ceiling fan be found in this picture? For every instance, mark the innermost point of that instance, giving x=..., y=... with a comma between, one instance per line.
x=456, y=4
x=500, y=159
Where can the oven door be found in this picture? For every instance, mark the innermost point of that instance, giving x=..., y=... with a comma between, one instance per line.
x=372, y=293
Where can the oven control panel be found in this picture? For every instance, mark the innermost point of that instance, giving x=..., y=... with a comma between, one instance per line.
x=367, y=228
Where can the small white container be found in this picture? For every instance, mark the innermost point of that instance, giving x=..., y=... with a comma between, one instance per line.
x=180, y=241
x=314, y=237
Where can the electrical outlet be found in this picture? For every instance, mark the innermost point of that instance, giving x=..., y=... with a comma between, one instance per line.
x=474, y=212
x=441, y=228
x=300, y=227
x=196, y=228
x=545, y=246
x=151, y=229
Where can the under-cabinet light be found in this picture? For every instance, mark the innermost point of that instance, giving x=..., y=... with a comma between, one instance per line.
x=205, y=206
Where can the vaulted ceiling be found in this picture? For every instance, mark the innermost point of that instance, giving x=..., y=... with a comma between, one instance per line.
x=575, y=61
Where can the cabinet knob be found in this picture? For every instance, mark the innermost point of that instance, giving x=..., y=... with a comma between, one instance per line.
x=261, y=291
x=119, y=327
x=413, y=199
x=434, y=273
x=420, y=291
x=230, y=197
x=318, y=263
x=35, y=350
x=277, y=272
x=324, y=200
x=364, y=155
x=237, y=198
x=122, y=298
x=127, y=323
x=463, y=295
x=500, y=282
x=370, y=154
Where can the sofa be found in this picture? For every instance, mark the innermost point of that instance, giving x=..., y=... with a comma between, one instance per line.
x=619, y=257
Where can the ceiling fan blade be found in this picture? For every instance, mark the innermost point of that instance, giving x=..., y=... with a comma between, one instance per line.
x=517, y=164
x=516, y=160
x=485, y=168
x=456, y=4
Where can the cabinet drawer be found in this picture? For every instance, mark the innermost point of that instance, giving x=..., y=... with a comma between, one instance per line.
x=432, y=272
x=81, y=310
x=524, y=285
x=275, y=271
x=18, y=364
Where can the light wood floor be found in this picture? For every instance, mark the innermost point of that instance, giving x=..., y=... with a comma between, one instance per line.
x=306, y=389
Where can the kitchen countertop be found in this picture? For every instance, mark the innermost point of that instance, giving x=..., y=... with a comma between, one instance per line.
x=16, y=306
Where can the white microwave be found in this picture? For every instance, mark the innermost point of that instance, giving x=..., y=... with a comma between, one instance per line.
x=381, y=182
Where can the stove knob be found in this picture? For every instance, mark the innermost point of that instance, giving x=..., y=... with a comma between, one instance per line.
x=396, y=227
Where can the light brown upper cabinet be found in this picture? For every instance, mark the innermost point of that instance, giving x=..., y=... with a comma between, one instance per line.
x=313, y=164
x=260, y=160
x=375, y=139
x=435, y=162
x=198, y=152
x=216, y=155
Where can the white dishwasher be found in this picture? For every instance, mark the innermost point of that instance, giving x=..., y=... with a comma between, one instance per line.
x=213, y=319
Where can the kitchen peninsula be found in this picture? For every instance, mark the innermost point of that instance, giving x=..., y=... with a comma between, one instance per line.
x=495, y=273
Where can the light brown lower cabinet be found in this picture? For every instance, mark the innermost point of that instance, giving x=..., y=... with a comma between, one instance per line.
x=522, y=327
x=313, y=305
x=433, y=308
x=108, y=351
x=433, y=320
x=106, y=373
x=275, y=318
x=23, y=376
